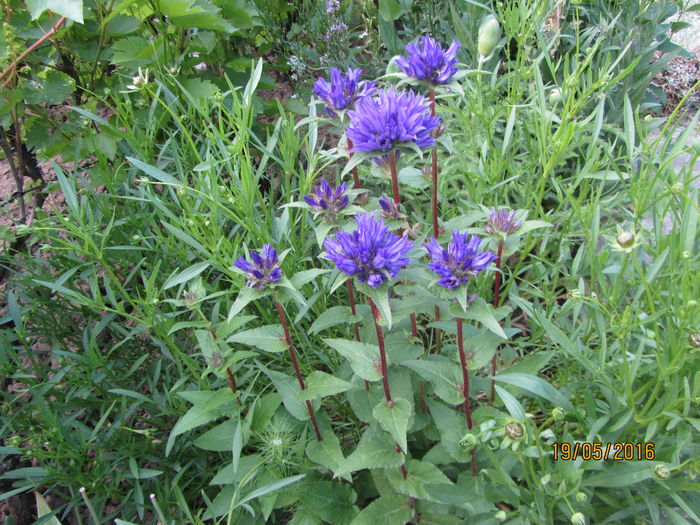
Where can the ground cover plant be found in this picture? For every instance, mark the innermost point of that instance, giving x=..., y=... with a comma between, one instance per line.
x=454, y=278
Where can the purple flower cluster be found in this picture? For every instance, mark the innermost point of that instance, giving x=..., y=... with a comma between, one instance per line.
x=328, y=199
x=263, y=270
x=382, y=124
x=460, y=261
x=390, y=209
x=371, y=252
x=342, y=92
x=428, y=61
x=332, y=6
x=502, y=221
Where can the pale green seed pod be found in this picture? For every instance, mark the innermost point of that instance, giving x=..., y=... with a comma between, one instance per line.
x=489, y=33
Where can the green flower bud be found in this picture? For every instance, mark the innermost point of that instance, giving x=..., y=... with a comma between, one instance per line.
x=694, y=340
x=554, y=97
x=581, y=497
x=468, y=442
x=625, y=239
x=648, y=118
x=662, y=472
x=489, y=34
x=546, y=479
x=501, y=515
x=678, y=188
x=514, y=430
x=574, y=295
x=578, y=519
x=558, y=413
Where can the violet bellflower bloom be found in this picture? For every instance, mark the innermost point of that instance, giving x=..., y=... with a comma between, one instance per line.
x=458, y=262
x=342, y=92
x=332, y=6
x=263, y=270
x=371, y=252
x=390, y=209
x=502, y=221
x=378, y=125
x=427, y=61
x=328, y=200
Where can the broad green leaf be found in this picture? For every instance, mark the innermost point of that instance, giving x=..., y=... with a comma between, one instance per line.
x=375, y=450
x=395, y=419
x=452, y=427
x=218, y=439
x=483, y=312
x=288, y=388
x=361, y=357
x=386, y=510
x=327, y=452
x=331, y=501
x=200, y=89
x=320, y=384
x=133, y=51
x=413, y=177
x=530, y=364
x=72, y=9
x=420, y=473
x=269, y=338
x=264, y=408
x=380, y=296
x=528, y=226
x=186, y=275
x=622, y=474
x=245, y=296
x=299, y=279
x=443, y=375
x=333, y=316
x=537, y=386
x=207, y=407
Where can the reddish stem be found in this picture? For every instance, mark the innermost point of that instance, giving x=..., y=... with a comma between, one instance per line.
x=382, y=353
x=295, y=364
x=232, y=385
x=465, y=386
x=394, y=176
x=351, y=297
x=414, y=326
x=496, y=302
x=436, y=231
x=355, y=175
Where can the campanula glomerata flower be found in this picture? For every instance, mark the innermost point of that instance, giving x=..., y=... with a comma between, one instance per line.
x=371, y=252
x=390, y=209
x=427, y=61
x=458, y=262
x=395, y=118
x=328, y=200
x=502, y=221
x=342, y=92
x=263, y=270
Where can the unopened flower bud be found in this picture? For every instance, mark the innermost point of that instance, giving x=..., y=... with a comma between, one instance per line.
x=694, y=340
x=546, y=479
x=662, y=472
x=501, y=515
x=625, y=239
x=555, y=96
x=581, y=497
x=678, y=188
x=648, y=118
x=468, y=442
x=578, y=519
x=514, y=430
x=489, y=33
x=558, y=413
x=574, y=295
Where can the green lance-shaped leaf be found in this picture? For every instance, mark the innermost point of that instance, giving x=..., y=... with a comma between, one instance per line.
x=537, y=386
x=395, y=419
x=328, y=453
x=288, y=389
x=332, y=317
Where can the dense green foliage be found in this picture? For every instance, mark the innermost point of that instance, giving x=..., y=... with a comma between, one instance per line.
x=124, y=312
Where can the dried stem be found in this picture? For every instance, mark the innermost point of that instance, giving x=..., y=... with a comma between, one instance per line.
x=295, y=364
x=465, y=386
x=496, y=301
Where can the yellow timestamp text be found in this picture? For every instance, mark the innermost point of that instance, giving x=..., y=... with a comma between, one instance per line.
x=603, y=451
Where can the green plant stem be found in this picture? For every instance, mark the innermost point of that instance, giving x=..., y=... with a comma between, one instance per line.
x=465, y=387
x=496, y=302
x=295, y=364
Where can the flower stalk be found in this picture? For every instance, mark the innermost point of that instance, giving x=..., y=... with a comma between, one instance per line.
x=436, y=230
x=295, y=364
x=376, y=315
x=465, y=387
x=496, y=301
x=394, y=177
x=355, y=175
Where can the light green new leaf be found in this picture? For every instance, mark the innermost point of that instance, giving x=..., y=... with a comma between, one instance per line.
x=245, y=296
x=331, y=501
x=361, y=357
x=622, y=474
x=43, y=509
x=395, y=419
x=269, y=338
x=186, y=275
x=387, y=510
x=72, y=9
x=327, y=453
x=288, y=389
